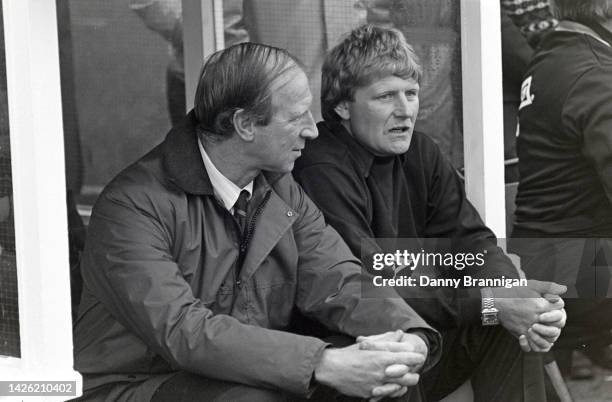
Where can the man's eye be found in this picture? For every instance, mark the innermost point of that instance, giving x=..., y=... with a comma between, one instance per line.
x=299, y=117
x=384, y=96
x=412, y=93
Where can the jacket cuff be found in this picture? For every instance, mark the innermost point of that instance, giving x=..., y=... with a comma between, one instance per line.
x=313, y=385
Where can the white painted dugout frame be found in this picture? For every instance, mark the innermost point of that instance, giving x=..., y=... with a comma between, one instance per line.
x=483, y=131
x=39, y=196
x=202, y=35
x=483, y=138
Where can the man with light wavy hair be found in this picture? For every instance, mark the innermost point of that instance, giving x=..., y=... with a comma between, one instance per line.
x=375, y=178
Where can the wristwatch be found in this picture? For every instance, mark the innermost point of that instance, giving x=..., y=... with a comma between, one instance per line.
x=489, y=312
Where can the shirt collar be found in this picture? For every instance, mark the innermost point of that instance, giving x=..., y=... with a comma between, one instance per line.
x=224, y=188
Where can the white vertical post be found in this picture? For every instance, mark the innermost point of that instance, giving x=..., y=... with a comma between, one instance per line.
x=483, y=110
x=202, y=35
x=39, y=191
x=219, y=24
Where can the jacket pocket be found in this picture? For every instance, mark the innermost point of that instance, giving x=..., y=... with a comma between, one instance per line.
x=270, y=304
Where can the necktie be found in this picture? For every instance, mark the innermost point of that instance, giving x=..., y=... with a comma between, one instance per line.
x=240, y=211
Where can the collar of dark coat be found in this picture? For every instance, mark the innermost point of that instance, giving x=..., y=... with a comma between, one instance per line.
x=184, y=165
x=362, y=156
x=591, y=28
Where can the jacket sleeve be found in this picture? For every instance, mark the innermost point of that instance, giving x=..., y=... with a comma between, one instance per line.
x=331, y=284
x=128, y=266
x=451, y=215
x=588, y=113
x=349, y=213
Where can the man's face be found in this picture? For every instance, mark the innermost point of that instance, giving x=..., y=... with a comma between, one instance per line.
x=281, y=141
x=382, y=115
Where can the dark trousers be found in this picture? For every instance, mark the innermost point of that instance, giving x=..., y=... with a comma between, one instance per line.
x=184, y=386
x=491, y=358
x=187, y=387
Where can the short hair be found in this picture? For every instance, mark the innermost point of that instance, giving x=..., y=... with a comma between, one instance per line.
x=582, y=10
x=366, y=54
x=239, y=77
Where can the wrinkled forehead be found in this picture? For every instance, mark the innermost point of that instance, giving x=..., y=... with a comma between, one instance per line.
x=289, y=73
x=290, y=88
x=373, y=72
x=390, y=83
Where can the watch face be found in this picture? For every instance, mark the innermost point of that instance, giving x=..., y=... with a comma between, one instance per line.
x=489, y=318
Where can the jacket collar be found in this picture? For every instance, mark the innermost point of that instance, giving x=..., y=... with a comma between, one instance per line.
x=183, y=161
x=593, y=29
x=362, y=156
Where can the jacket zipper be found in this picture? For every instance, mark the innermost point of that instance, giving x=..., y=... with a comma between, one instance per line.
x=244, y=240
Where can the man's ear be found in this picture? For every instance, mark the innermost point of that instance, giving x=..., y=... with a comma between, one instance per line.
x=342, y=110
x=244, y=125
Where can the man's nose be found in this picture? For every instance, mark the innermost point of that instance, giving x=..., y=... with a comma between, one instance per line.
x=309, y=131
x=404, y=107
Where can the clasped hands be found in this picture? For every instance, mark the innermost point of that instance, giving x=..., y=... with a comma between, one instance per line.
x=534, y=314
x=375, y=367
x=386, y=365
